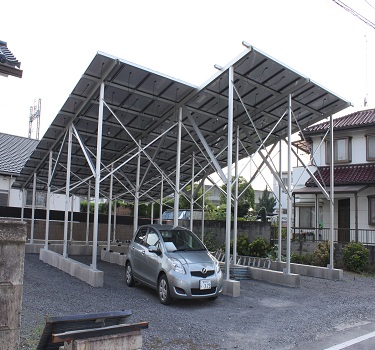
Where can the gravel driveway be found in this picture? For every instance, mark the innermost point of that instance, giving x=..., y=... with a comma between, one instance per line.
x=265, y=316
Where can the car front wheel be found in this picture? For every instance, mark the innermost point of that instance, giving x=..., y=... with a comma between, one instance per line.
x=163, y=290
x=129, y=275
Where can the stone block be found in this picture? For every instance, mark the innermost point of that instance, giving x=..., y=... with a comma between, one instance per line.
x=232, y=288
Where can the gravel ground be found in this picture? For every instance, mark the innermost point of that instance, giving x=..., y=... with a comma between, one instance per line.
x=265, y=316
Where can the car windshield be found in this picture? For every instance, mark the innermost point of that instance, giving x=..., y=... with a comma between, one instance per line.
x=181, y=240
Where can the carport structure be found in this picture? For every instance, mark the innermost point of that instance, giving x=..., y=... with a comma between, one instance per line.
x=127, y=132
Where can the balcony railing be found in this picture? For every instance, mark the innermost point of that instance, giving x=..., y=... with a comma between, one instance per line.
x=365, y=236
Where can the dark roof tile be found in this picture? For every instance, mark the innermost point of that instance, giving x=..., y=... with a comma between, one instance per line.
x=14, y=152
x=353, y=120
x=345, y=175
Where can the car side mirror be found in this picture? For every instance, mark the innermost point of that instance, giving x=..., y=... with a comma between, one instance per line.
x=154, y=249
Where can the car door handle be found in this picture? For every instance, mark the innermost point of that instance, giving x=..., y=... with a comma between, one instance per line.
x=143, y=252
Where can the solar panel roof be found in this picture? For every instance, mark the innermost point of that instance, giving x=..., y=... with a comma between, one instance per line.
x=142, y=108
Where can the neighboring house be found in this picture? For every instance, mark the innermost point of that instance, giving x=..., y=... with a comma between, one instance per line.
x=14, y=152
x=354, y=180
x=9, y=65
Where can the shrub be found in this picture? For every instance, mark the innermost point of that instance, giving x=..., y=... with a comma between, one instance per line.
x=305, y=259
x=321, y=255
x=260, y=248
x=210, y=241
x=242, y=245
x=355, y=257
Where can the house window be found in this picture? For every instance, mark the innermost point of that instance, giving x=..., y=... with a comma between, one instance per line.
x=342, y=150
x=40, y=199
x=306, y=217
x=371, y=210
x=370, y=147
x=3, y=199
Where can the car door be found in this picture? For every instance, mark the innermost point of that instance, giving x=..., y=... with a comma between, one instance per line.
x=153, y=260
x=138, y=251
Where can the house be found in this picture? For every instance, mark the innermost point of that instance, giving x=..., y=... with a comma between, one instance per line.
x=9, y=65
x=14, y=152
x=354, y=180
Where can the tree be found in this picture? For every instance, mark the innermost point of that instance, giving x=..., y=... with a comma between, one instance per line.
x=247, y=199
x=266, y=202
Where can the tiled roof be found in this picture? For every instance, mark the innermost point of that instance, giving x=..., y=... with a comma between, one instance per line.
x=346, y=175
x=14, y=152
x=358, y=119
x=9, y=65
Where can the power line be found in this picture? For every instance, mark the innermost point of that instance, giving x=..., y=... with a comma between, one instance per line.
x=354, y=13
x=368, y=3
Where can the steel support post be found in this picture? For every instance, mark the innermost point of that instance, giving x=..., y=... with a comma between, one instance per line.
x=235, y=214
x=110, y=211
x=203, y=204
x=97, y=178
x=192, y=192
x=229, y=175
x=33, y=211
x=71, y=217
x=48, y=200
x=67, y=186
x=161, y=200
x=152, y=213
x=280, y=207
x=289, y=187
x=114, y=220
x=332, y=193
x=88, y=213
x=178, y=163
x=136, y=197
x=23, y=203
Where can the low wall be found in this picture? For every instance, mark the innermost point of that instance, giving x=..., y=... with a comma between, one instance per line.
x=74, y=268
x=12, y=255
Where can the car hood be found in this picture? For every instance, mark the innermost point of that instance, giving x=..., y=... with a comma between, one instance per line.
x=192, y=257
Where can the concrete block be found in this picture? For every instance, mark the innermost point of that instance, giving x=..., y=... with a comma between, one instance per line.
x=276, y=277
x=231, y=288
x=74, y=268
x=124, y=341
x=310, y=271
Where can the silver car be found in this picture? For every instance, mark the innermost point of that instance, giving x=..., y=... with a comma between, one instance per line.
x=175, y=262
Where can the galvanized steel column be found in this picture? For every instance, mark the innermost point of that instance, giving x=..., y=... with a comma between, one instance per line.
x=48, y=199
x=110, y=211
x=67, y=184
x=178, y=164
x=229, y=175
x=33, y=211
x=136, y=198
x=192, y=192
x=280, y=208
x=88, y=213
x=23, y=204
x=289, y=189
x=97, y=177
x=235, y=214
x=332, y=190
x=161, y=200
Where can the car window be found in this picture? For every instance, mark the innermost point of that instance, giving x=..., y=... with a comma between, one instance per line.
x=140, y=236
x=181, y=240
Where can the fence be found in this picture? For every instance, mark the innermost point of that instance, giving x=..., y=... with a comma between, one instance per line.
x=340, y=235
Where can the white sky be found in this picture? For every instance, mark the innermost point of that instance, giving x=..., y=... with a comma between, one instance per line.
x=56, y=41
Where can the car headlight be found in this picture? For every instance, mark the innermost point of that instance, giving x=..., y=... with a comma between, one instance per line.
x=176, y=265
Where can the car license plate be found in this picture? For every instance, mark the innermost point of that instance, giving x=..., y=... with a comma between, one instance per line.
x=204, y=284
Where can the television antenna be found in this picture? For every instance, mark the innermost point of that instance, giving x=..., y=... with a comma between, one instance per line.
x=35, y=115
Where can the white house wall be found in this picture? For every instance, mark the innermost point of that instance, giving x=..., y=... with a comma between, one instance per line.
x=15, y=196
